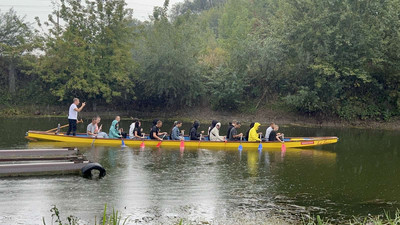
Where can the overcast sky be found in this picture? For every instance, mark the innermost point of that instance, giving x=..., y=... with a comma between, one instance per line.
x=41, y=8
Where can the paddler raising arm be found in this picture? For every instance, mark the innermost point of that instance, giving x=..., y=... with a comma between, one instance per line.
x=73, y=115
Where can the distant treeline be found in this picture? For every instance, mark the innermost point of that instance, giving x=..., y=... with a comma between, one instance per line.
x=317, y=57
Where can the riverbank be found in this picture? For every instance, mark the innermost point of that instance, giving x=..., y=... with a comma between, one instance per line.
x=205, y=115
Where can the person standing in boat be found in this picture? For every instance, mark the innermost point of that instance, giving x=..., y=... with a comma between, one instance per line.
x=231, y=125
x=214, y=133
x=234, y=136
x=193, y=131
x=155, y=132
x=253, y=135
x=93, y=129
x=268, y=131
x=175, y=134
x=73, y=115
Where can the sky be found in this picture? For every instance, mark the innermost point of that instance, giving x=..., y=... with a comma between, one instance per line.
x=42, y=8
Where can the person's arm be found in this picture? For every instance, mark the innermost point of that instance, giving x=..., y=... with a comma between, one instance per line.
x=80, y=109
x=237, y=135
x=155, y=136
x=136, y=135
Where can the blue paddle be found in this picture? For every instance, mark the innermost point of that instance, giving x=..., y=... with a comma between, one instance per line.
x=123, y=143
x=240, y=148
x=260, y=147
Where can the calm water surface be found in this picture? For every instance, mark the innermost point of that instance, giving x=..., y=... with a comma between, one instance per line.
x=357, y=176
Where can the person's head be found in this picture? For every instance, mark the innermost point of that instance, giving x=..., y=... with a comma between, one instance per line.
x=159, y=124
x=118, y=118
x=96, y=120
x=178, y=123
x=76, y=101
x=196, y=124
x=276, y=127
x=213, y=123
x=234, y=122
x=257, y=125
x=218, y=125
x=138, y=123
x=155, y=122
x=237, y=124
x=272, y=125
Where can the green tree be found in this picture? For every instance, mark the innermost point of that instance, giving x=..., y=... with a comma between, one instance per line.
x=17, y=40
x=88, y=55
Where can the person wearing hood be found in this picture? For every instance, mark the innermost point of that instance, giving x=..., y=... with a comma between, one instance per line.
x=114, y=129
x=193, y=131
x=253, y=134
x=214, y=133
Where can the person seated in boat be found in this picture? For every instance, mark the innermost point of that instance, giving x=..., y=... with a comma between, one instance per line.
x=231, y=125
x=234, y=136
x=213, y=123
x=274, y=135
x=193, y=131
x=155, y=132
x=93, y=129
x=172, y=128
x=175, y=134
x=268, y=131
x=214, y=133
x=248, y=131
x=132, y=127
x=115, y=131
x=253, y=134
x=137, y=132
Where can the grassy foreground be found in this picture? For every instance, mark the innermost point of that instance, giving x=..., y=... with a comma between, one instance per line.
x=116, y=218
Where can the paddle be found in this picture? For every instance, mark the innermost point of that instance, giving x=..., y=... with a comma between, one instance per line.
x=240, y=148
x=283, y=148
x=94, y=138
x=260, y=145
x=201, y=135
x=122, y=142
x=159, y=143
x=142, y=144
x=66, y=125
x=183, y=140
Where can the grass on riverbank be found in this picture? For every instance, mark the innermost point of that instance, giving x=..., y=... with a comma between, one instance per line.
x=116, y=218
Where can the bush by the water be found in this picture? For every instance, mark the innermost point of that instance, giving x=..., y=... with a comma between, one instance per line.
x=335, y=58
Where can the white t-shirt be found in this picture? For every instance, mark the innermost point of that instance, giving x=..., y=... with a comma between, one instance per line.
x=73, y=115
x=131, y=129
x=268, y=132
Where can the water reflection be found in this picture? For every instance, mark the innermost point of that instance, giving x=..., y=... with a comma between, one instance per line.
x=155, y=185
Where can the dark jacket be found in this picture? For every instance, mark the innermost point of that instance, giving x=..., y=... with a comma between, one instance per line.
x=193, y=131
x=248, y=131
x=228, y=133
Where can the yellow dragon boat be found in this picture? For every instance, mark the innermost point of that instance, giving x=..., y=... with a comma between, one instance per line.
x=83, y=139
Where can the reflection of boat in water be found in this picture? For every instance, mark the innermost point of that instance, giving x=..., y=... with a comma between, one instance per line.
x=83, y=139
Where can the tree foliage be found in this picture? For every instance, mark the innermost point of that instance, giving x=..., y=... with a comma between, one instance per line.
x=334, y=58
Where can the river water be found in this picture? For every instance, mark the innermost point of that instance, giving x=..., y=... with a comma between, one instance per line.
x=357, y=176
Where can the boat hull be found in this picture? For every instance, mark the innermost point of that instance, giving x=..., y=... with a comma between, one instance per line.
x=81, y=140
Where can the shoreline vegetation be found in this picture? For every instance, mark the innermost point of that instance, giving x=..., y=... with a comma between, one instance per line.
x=205, y=115
x=330, y=60
x=115, y=217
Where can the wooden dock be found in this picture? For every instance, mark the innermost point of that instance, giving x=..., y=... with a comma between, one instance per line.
x=23, y=162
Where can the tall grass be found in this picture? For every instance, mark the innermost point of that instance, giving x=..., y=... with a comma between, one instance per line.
x=115, y=218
